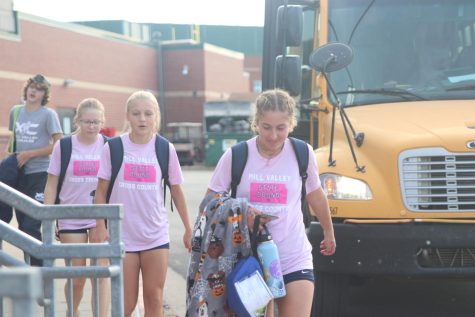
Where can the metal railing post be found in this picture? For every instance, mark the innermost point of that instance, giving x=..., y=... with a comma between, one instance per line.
x=24, y=298
x=49, y=301
x=117, y=282
x=50, y=251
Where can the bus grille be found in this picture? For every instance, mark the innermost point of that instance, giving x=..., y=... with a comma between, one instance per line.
x=435, y=180
x=446, y=257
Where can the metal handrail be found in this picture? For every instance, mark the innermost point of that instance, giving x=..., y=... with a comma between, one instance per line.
x=49, y=250
x=24, y=298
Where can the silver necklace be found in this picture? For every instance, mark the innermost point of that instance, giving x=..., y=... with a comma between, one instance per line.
x=268, y=155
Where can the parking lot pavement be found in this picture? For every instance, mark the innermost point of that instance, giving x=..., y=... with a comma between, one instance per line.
x=174, y=297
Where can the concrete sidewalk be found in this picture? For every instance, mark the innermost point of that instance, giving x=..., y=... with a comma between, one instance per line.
x=174, y=293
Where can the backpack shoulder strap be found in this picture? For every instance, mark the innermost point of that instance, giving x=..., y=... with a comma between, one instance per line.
x=16, y=112
x=301, y=152
x=12, y=141
x=239, y=160
x=162, y=150
x=66, y=148
x=117, y=155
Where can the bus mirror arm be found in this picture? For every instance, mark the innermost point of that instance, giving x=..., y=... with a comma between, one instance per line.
x=326, y=59
x=358, y=137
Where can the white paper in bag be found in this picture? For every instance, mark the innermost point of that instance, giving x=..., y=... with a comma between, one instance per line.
x=253, y=292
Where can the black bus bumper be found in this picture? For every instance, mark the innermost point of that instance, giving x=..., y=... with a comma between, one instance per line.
x=403, y=249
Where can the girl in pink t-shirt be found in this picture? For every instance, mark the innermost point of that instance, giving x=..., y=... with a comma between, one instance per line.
x=138, y=187
x=272, y=184
x=78, y=187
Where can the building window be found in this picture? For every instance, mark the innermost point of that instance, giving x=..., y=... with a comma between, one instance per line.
x=66, y=117
x=8, y=17
x=137, y=31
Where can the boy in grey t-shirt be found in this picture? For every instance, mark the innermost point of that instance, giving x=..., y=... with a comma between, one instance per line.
x=35, y=129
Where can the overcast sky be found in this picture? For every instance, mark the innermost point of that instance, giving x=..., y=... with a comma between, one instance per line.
x=215, y=12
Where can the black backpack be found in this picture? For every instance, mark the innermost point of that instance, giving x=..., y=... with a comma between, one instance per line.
x=162, y=151
x=117, y=154
x=66, y=148
x=239, y=160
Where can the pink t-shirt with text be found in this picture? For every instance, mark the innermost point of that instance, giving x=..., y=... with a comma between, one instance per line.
x=139, y=188
x=274, y=187
x=80, y=179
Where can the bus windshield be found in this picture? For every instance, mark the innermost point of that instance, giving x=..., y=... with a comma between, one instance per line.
x=404, y=50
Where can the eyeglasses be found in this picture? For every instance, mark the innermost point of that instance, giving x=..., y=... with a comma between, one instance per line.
x=94, y=123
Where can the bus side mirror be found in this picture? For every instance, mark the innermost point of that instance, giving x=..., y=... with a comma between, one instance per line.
x=289, y=25
x=288, y=73
x=331, y=57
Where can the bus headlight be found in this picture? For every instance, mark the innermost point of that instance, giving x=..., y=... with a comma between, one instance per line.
x=344, y=188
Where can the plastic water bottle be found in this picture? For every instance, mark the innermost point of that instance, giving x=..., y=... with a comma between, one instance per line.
x=269, y=257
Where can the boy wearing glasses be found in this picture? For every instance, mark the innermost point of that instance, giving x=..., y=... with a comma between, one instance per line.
x=34, y=128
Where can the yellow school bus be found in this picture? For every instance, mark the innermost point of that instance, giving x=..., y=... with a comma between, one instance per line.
x=388, y=90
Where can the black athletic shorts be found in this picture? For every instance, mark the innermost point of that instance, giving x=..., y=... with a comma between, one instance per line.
x=299, y=275
x=163, y=246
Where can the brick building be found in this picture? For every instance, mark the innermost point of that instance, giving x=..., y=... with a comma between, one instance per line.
x=81, y=61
